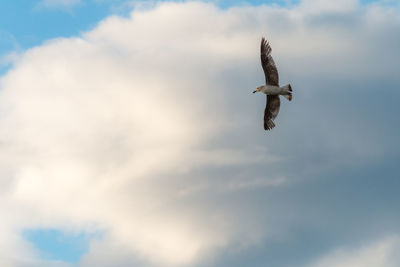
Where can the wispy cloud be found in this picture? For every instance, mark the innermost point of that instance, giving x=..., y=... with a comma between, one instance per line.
x=380, y=253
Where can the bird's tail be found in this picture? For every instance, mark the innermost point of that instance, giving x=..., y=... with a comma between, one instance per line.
x=287, y=91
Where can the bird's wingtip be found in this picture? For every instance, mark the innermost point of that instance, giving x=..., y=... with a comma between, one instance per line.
x=269, y=125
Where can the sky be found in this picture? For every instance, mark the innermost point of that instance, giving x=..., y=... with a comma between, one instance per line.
x=130, y=137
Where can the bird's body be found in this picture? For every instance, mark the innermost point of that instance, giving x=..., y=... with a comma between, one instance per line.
x=271, y=87
x=273, y=90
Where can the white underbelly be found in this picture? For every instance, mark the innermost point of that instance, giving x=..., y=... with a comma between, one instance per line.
x=272, y=90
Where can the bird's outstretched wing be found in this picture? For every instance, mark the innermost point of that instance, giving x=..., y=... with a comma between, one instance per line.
x=268, y=64
x=271, y=111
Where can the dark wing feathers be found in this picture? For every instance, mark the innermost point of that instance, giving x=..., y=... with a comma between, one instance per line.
x=268, y=64
x=272, y=78
x=271, y=111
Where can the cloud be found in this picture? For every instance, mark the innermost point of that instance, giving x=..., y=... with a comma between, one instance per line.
x=104, y=131
x=380, y=253
x=326, y=6
x=145, y=127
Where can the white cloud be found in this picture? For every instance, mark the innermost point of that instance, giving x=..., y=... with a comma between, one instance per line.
x=383, y=253
x=326, y=6
x=120, y=129
x=101, y=128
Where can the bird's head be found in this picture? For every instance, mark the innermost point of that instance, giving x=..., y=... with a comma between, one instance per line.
x=257, y=90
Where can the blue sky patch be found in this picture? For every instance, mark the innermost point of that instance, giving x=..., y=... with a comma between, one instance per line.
x=55, y=244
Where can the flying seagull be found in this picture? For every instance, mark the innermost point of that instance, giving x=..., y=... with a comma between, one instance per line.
x=271, y=87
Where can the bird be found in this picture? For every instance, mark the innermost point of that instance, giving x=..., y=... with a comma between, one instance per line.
x=271, y=87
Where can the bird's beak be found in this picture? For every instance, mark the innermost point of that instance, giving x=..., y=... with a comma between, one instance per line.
x=254, y=91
